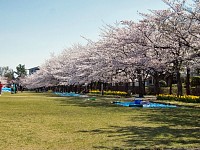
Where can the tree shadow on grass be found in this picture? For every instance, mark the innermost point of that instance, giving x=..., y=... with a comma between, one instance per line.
x=87, y=102
x=150, y=137
x=187, y=117
x=177, y=129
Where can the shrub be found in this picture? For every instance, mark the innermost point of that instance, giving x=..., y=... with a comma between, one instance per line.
x=195, y=91
x=49, y=91
x=195, y=81
x=162, y=83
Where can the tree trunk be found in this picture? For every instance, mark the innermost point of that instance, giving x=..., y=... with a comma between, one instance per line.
x=91, y=86
x=141, y=93
x=133, y=88
x=179, y=84
x=117, y=86
x=188, y=81
x=102, y=90
x=143, y=85
x=156, y=85
x=170, y=84
x=126, y=87
x=99, y=85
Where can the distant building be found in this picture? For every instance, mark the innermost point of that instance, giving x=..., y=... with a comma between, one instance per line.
x=33, y=70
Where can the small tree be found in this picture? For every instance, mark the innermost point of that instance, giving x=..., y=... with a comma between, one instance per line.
x=21, y=71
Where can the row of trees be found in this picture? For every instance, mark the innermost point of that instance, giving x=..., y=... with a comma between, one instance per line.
x=163, y=44
x=10, y=75
x=6, y=72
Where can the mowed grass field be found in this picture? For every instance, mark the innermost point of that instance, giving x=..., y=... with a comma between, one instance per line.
x=38, y=121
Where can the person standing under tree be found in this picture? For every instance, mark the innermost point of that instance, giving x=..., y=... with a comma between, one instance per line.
x=1, y=85
x=13, y=88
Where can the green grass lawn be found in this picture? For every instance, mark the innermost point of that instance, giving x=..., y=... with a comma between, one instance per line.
x=31, y=121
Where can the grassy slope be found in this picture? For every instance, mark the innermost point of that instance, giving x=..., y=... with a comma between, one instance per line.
x=40, y=121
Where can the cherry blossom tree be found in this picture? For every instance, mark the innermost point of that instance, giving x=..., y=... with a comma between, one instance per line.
x=170, y=35
x=165, y=41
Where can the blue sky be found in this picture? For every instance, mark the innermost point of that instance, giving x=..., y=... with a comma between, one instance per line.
x=32, y=29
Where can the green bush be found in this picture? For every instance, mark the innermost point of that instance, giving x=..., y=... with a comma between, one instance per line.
x=162, y=83
x=49, y=91
x=165, y=90
x=195, y=81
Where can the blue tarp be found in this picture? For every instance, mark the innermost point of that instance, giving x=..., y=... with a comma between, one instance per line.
x=147, y=105
x=67, y=94
x=5, y=89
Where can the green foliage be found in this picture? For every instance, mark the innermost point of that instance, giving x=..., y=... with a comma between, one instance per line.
x=195, y=91
x=6, y=72
x=21, y=70
x=164, y=90
x=162, y=83
x=195, y=81
x=49, y=91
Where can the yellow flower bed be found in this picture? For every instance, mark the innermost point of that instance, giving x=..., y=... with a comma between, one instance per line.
x=109, y=92
x=185, y=98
